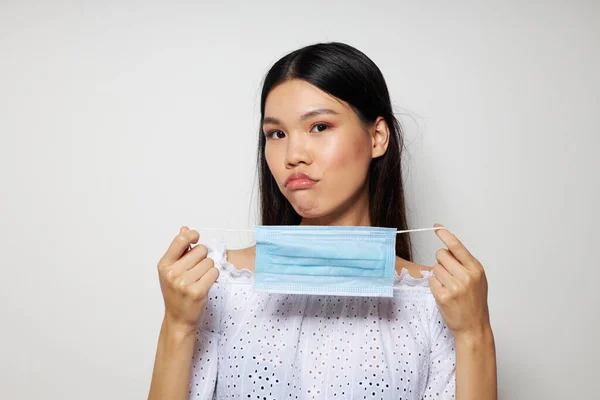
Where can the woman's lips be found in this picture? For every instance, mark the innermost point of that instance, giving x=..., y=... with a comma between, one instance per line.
x=302, y=183
x=298, y=181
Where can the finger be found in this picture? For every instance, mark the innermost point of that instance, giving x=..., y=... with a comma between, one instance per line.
x=203, y=284
x=435, y=286
x=452, y=265
x=445, y=278
x=456, y=247
x=185, y=229
x=179, y=244
x=195, y=273
x=190, y=259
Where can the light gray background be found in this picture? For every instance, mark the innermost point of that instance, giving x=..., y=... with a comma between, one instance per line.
x=121, y=122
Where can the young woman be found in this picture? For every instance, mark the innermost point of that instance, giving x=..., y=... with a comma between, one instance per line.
x=329, y=153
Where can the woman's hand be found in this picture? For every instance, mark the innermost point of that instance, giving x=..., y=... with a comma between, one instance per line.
x=460, y=288
x=186, y=276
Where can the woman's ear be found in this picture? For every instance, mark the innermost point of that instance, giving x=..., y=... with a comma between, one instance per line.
x=380, y=135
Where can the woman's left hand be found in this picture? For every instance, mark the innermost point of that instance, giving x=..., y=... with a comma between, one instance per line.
x=460, y=288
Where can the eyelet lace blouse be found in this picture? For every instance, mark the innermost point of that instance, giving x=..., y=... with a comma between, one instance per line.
x=253, y=345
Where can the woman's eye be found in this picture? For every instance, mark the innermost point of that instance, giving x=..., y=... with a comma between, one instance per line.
x=322, y=126
x=275, y=135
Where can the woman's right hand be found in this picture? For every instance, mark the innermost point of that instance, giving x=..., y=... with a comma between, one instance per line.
x=186, y=276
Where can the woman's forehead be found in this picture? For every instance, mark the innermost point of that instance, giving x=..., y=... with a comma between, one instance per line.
x=295, y=97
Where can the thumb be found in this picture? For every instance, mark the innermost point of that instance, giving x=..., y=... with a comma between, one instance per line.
x=185, y=229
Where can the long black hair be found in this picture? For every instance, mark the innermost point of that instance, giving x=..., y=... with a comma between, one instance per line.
x=348, y=74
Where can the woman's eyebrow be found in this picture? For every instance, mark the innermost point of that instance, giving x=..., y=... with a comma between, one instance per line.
x=303, y=117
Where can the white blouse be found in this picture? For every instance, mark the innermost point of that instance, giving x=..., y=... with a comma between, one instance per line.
x=253, y=345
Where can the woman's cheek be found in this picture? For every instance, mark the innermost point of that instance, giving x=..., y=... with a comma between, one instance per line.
x=346, y=155
x=335, y=153
x=275, y=165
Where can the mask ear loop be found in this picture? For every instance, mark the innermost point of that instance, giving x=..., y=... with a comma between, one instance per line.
x=422, y=229
x=252, y=230
x=224, y=230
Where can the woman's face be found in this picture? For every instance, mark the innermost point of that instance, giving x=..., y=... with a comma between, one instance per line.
x=319, y=152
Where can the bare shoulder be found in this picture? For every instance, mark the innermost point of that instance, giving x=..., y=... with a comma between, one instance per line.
x=413, y=269
x=242, y=258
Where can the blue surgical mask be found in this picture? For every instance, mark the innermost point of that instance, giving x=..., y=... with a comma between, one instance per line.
x=326, y=260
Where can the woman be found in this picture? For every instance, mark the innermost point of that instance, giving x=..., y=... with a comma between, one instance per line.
x=329, y=154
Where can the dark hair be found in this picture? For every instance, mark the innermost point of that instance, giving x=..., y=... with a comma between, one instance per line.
x=348, y=74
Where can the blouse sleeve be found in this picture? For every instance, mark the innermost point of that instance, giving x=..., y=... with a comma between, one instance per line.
x=441, y=379
x=203, y=376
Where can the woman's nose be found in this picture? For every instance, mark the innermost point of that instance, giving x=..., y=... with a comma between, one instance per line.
x=298, y=150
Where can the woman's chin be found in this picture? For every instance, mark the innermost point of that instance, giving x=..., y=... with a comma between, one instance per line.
x=308, y=210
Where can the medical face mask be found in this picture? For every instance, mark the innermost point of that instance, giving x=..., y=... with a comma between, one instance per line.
x=326, y=260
